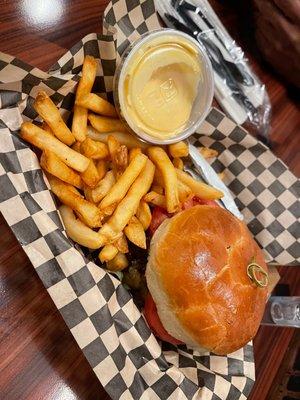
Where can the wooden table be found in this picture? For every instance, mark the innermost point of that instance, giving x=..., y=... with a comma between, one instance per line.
x=38, y=357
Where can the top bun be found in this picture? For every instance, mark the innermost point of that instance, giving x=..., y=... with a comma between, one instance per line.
x=197, y=276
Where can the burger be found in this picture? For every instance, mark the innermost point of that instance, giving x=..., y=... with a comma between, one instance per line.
x=207, y=281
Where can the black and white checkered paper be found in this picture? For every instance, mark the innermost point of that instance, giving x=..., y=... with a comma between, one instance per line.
x=128, y=360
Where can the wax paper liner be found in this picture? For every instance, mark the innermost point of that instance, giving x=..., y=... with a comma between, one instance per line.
x=99, y=311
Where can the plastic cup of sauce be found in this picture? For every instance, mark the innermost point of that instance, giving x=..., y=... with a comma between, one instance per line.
x=163, y=86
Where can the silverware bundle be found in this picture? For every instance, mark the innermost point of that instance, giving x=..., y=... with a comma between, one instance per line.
x=239, y=92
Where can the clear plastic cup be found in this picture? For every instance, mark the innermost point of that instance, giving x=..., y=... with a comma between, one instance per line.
x=204, y=92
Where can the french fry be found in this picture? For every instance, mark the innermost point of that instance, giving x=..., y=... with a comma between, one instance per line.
x=178, y=163
x=134, y=232
x=184, y=191
x=121, y=159
x=76, y=146
x=45, y=107
x=222, y=175
x=167, y=170
x=199, y=188
x=95, y=103
x=91, y=176
x=45, y=141
x=107, y=211
x=113, y=145
x=118, y=154
x=52, y=164
x=101, y=166
x=121, y=187
x=207, y=152
x=72, y=189
x=88, y=194
x=103, y=187
x=106, y=124
x=79, y=124
x=88, y=212
x=77, y=230
x=134, y=152
x=158, y=179
x=121, y=244
x=158, y=189
x=108, y=253
x=156, y=199
x=124, y=138
x=179, y=149
x=95, y=150
x=46, y=127
x=118, y=263
x=128, y=206
x=144, y=215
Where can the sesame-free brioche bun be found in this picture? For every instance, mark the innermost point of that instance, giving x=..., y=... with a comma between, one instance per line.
x=197, y=276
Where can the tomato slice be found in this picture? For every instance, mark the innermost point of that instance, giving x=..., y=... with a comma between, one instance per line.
x=154, y=322
x=158, y=217
x=196, y=200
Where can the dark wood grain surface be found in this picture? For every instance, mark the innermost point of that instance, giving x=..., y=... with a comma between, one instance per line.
x=38, y=357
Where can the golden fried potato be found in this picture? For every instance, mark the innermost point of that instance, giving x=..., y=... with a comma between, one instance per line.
x=91, y=176
x=128, y=206
x=106, y=124
x=144, y=214
x=47, y=128
x=87, y=212
x=121, y=187
x=52, y=164
x=222, y=175
x=45, y=141
x=121, y=244
x=95, y=150
x=103, y=187
x=134, y=152
x=178, y=163
x=121, y=159
x=134, y=232
x=95, y=103
x=79, y=124
x=184, y=191
x=199, y=188
x=108, y=253
x=125, y=138
x=168, y=172
x=157, y=188
x=179, y=149
x=118, y=154
x=45, y=107
x=101, y=166
x=77, y=230
x=207, y=152
x=156, y=199
x=76, y=146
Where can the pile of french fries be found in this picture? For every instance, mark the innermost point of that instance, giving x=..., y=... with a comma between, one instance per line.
x=105, y=178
